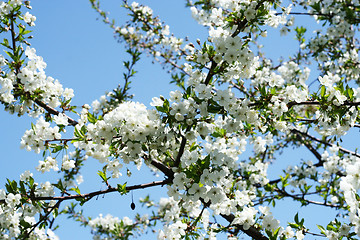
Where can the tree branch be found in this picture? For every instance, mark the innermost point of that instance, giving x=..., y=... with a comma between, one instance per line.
x=181, y=150
x=313, y=14
x=210, y=73
x=164, y=169
x=295, y=197
x=325, y=143
x=346, y=103
x=42, y=219
x=53, y=111
x=252, y=231
x=88, y=196
x=311, y=149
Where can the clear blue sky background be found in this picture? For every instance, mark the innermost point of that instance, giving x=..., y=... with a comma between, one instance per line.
x=82, y=53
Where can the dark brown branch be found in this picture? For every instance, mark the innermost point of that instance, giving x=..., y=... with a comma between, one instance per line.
x=299, y=197
x=302, y=120
x=346, y=103
x=313, y=14
x=291, y=104
x=88, y=196
x=181, y=151
x=325, y=143
x=311, y=149
x=53, y=111
x=306, y=14
x=159, y=165
x=210, y=73
x=192, y=226
x=164, y=169
x=252, y=231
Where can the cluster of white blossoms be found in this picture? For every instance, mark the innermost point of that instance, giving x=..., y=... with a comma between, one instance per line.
x=29, y=19
x=11, y=217
x=350, y=184
x=327, y=126
x=6, y=84
x=108, y=223
x=173, y=231
x=231, y=49
x=248, y=9
x=33, y=77
x=34, y=139
x=339, y=126
x=7, y=7
x=128, y=127
x=170, y=209
x=48, y=164
x=13, y=212
x=111, y=226
x=34, y=80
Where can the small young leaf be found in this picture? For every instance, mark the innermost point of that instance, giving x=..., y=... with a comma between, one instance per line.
x=122, y=189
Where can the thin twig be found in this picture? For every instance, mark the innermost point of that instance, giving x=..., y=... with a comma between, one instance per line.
x=42, y=219
x=325, y=143
x=284, y=193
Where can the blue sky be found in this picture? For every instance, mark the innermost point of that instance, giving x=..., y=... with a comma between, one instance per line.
x=82, y=53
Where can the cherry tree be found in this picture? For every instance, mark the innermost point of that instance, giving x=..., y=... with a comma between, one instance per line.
x=232, y=113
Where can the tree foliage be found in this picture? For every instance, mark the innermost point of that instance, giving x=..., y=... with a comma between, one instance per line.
x=232, y=113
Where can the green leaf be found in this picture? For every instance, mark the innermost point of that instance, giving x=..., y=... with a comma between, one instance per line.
x=59, y=185
x=31, y=182
x=219, y=132
x=56, y=148
x=276, y=233
x=296, y=218
x=103, y=175
x=25, y=224
x=10, y=55
x=91, y=118
x=350, y=92
x=193, y=146
x=322, y=91
x=76, y=189
x=165, y=108
x=122, y=189
x=322, y=229
x=81, y=200
x=294, y=225
x=5, y=43
x=11, y=186
x=79, y=134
